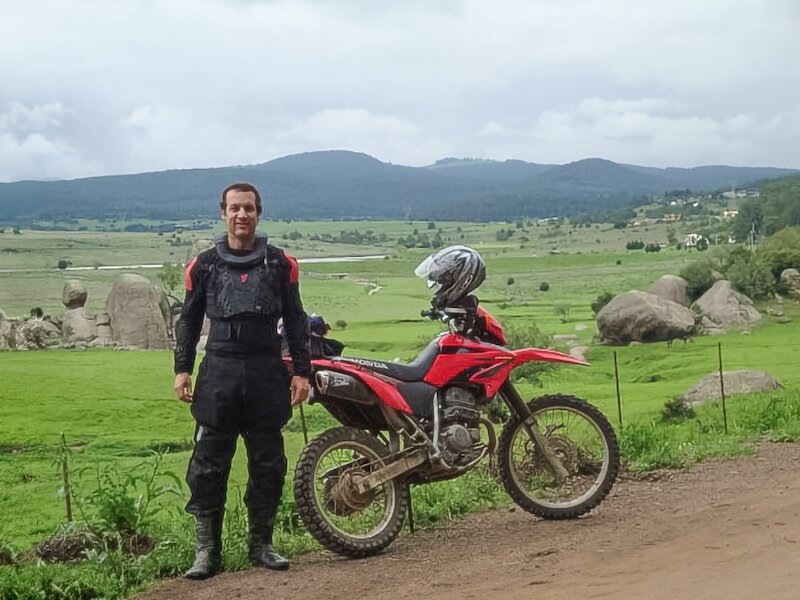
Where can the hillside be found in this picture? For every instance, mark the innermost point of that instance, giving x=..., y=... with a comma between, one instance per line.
x=343, y=184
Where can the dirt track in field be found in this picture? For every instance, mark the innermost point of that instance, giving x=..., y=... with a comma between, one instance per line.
x=720, y=530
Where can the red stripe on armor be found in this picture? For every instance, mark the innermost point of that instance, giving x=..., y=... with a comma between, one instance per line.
x=187, y=274
x=294, y=269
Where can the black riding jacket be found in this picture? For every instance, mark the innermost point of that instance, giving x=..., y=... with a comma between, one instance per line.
x=244, y=303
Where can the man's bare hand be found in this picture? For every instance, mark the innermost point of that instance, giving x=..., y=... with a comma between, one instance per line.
x=299, y=389
x=183, y=387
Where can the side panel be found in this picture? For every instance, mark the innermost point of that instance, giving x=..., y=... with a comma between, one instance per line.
x=460, y=354
x=385, y=388
x=544, y=355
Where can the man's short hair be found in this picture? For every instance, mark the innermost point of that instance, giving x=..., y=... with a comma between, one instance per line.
x=241, y=187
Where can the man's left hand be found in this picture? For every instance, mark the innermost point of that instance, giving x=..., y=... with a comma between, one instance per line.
x=299, y=389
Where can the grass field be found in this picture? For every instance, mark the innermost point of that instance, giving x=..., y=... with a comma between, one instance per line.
x=116, y=408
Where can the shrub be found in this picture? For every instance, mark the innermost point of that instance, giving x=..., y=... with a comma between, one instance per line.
x=601, y=301
x=676, y=410
x=699, y=277
x=510, y=281
x=527, y=336
x=750, y=275
x=341, y=324
x=781, y=251
x=562, y=311
x=544, y=287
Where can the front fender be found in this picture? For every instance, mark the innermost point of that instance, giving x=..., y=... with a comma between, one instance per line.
x=525, y=355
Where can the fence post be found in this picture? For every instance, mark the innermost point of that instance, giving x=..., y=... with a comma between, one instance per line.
x=722, y=389
x=619, y=398
x=64, y=460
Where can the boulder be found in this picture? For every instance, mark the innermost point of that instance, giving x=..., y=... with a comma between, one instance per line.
x=6, y=332
x=724, y=308
x=134, y=308
x=671, y=287
x=642, y=317
x=104, y=336
x=736, y=382
x=74, y=294
x=790, y=278
x=77, y=326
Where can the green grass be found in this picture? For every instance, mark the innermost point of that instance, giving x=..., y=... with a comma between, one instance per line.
x=116, y=408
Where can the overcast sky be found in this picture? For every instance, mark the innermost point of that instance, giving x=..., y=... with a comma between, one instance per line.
x=92, y=87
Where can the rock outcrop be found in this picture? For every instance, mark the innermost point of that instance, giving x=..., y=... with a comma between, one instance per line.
x=642, y=317
x=723, y=308
x=736, y=382
x=671, y=287
x=135, y=311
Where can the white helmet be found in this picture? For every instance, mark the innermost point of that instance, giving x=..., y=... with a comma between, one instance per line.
x=452, y=272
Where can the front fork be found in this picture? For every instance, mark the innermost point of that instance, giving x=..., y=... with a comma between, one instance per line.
x=517, y=406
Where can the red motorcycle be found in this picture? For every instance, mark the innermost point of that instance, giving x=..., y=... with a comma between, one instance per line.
x=557, y=456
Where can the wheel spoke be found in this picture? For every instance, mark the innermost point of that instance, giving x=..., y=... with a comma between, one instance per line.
x=576, y=441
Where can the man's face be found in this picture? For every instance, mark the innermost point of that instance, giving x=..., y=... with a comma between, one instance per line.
x=241, y=214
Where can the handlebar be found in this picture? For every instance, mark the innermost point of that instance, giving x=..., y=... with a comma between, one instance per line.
x=431, y=314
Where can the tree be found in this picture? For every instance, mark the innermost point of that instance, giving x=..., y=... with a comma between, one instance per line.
x=699, y=277
x=601, y=301
x=782, y=250
x=63, y=264
x=171, y=277
x=544, y=287
x=431, y=225
x=702, y=244
x=562, y=311
x=672, y=235
x=510, y=281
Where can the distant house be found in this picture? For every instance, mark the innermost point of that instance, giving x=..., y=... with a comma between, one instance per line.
x=730, y=213
x=671, y=218
x=692, y=239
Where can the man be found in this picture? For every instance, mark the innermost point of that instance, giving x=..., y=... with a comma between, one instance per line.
x=245, y=286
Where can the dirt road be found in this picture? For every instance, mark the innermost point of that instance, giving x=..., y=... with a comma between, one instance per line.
x=722, y=530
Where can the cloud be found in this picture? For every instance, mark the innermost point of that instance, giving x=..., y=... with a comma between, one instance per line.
x=137, y=85
x=32, y=147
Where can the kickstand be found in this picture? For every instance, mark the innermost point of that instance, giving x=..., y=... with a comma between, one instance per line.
x=303, y=423
x=410, y=509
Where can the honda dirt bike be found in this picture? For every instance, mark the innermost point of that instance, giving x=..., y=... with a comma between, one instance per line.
x=416, y=423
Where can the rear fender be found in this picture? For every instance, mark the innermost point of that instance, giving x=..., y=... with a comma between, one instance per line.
x=526, y=355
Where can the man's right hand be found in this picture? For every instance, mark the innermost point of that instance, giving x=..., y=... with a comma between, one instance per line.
x=183, y=387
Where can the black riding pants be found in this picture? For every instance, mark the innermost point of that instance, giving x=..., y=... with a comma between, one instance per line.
x=236, y=394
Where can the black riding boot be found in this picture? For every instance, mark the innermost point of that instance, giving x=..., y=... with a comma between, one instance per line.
x=208, y=550
x=262, y=554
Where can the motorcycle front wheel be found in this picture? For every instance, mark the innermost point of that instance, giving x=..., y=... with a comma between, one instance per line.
x=335, y=513
x=582, y=440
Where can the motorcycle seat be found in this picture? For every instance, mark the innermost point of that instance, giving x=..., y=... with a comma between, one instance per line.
x=413, y=371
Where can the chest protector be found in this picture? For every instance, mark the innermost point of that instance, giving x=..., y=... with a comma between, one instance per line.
x=244, y=287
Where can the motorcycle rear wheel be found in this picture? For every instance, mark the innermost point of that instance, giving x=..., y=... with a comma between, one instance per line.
x=339, y=518
x=584, y=442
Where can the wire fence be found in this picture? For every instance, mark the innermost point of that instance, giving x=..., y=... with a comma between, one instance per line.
x=721, y=388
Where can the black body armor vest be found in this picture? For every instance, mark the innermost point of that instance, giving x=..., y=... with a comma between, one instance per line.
x=244, y=287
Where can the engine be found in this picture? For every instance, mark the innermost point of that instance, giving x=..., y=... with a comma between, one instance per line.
x=460, y=434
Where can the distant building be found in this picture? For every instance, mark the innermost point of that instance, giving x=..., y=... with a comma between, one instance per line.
x=671, y=218
x=730, y=213
x=692, y=239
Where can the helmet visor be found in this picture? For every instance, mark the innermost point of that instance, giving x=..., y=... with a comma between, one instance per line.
x=424, y=270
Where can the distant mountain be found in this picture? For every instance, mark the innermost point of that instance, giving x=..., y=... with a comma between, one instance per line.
x=351, y=185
